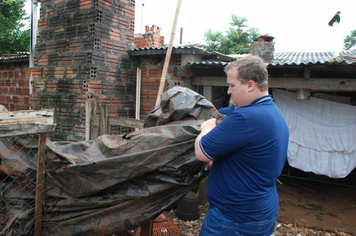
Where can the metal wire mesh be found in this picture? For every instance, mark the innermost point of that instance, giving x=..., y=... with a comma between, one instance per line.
x=18, y=174
x=118, y=129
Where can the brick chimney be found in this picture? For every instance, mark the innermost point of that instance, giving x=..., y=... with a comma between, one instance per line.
x=151, y=38
x=264, y=48
x=81, y=54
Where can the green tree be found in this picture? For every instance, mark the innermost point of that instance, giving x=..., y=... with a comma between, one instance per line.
x=236, y=40
x=350, y=40
x=12, y=37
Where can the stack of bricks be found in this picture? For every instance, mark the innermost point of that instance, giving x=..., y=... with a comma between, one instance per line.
x=14, y=85
x=81, y=53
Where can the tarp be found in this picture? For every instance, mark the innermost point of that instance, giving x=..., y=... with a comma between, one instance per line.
x=115, y=182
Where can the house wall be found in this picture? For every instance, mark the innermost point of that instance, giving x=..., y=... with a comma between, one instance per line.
x=14, y=85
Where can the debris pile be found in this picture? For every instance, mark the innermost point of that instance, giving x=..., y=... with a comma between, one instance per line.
x=112, y=183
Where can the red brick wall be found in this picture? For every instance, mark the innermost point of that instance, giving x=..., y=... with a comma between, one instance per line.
x=150, y=79
x=151, y=72
x=14, y=85
x=152, y=67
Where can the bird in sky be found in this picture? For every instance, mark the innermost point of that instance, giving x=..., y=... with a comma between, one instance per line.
x=336, y=18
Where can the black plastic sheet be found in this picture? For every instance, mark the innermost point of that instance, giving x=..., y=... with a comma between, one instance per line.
x=115, y=182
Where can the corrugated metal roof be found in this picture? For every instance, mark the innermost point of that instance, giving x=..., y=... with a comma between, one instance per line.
x=165, y=47
x=208, y=63
x=20, y=56
x=306, y=58
x=297, y=58
x=180, y=49
x=280, y=58
x=300, y=58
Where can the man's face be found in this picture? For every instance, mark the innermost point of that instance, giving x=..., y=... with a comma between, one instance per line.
x=237, y=90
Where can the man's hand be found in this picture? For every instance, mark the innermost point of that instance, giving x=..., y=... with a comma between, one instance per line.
x=208, y=125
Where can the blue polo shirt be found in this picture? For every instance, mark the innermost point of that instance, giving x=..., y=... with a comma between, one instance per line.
x=226, y=110
x=249, y=149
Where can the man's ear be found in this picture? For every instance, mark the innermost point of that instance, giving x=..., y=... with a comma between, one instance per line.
x=251, y=85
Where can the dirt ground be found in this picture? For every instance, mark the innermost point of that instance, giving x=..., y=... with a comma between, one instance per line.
x=317, y=205
x=306, y=208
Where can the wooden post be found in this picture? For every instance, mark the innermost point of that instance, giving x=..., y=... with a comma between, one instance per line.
x=168, y=57
x=208, y=93
x=147, y=228
x=103, y=120
x=138, y=94
x=40, y=183
x=91, y=121
x=95, y=126
x=87, y=119
x=303, y=94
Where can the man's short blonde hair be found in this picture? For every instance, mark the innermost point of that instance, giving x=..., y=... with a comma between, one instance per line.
x=251, y=68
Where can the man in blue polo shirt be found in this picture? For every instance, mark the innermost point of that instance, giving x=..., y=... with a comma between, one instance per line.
x=248, y=149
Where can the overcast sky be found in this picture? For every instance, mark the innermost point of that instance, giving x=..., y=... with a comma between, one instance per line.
x=298, y=25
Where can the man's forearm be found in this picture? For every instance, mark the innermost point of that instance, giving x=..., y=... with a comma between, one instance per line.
x=198, y=152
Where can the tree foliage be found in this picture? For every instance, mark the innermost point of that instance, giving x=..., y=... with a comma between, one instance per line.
x=12, y=37
x=236, y=40
x=350, y=40
x=7, y=1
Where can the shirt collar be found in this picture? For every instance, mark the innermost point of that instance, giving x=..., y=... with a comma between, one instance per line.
x=262, y=99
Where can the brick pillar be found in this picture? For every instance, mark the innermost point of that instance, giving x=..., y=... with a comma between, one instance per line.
x=264, y=48
x=81, y=53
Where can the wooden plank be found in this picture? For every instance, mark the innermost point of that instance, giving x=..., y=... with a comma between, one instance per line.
x=90, y=108
x=208, y=93
x=95, y=126
x=147, y=228
x=162, y=83
x=103, y=120
x=26, y=122
x=138, y=94
x=126, y=122
x=24, y=129
x=319, y=84
x=27, y=117
x=307, y=71
x=40, y=184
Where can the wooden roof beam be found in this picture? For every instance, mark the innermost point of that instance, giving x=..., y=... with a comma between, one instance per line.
x=315, y=84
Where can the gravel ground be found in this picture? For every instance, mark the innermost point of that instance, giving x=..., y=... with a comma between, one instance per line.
x=192, y=228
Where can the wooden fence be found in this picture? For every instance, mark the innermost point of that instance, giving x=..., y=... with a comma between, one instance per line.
x=38, y=124
x=98, y=123
x=18, y=125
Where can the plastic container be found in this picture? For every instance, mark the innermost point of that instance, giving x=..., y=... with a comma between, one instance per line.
x=188, y=207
